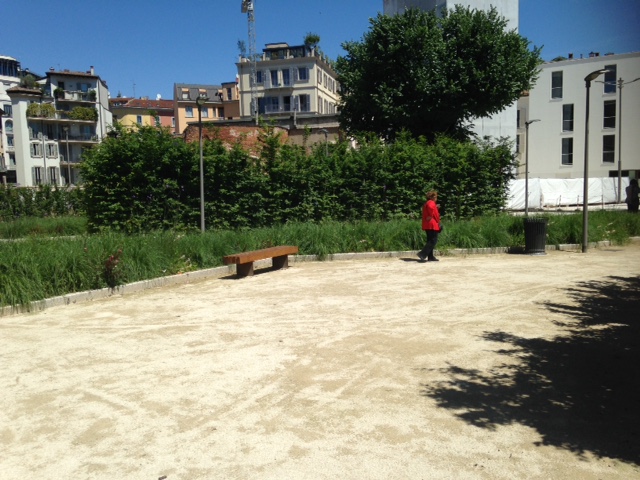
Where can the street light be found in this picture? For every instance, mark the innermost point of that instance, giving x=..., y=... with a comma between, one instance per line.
x=621, y=84
x=585, y=200
x=526, y=166
x=200, y=101
x=326, y=141
x=66, y=134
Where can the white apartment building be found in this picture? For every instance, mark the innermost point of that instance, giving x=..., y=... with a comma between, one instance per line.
x=9, y=78
x=289, y=79
x=559, y=102
x=502, y=124
x=53, y=126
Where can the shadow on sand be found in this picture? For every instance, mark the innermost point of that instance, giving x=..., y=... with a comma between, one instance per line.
x=579, y=390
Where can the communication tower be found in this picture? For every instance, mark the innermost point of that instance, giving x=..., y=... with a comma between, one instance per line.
x=247, y=7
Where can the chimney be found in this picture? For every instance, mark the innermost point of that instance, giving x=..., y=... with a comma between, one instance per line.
x=92, y=70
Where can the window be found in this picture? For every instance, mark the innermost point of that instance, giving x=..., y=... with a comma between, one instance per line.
x=139, y=119
x=221, y=113
x=259, y=77
x=610, y=79
x=205, y=112
x=274, y=78
x=8, y=112
x=518, y=125
x=10, y=141
x=272, y=104
x=188, y=112
x=36, y=149
x=52, y=150
x=185, y=94
x=9, y=126
x=12, y=159
x=303, y=74
x=305, y=103
x=173, y=122
x=286, y=78
x=229, y=94
x=609, y=120
x=556, y=84
x=608, y=148
x=157, y=120
x=567, y=117
x=518, y=140
x=567, y=151
x=53, y=175
x=286, y=103
x=37, y=175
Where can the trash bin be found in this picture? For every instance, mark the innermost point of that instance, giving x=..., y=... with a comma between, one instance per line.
x=535, y=235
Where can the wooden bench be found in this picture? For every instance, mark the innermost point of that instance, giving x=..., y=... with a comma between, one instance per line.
x=244, y=261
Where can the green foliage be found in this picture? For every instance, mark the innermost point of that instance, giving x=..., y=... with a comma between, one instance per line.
x=39, y=268
x=140, y=180
x=430, y=75
x=41, y=110
x=83, y=113
x=311, y=40
x=144, y=179
x=43, y=201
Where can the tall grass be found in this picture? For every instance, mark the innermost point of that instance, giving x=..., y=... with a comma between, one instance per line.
x=42, y=265
x=49, y=226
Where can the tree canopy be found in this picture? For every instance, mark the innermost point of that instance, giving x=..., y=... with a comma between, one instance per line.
x=432, y=75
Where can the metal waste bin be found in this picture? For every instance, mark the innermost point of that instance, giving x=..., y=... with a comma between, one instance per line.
x=535, y=235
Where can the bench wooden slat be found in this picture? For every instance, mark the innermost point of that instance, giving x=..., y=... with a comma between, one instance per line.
x=252, y=256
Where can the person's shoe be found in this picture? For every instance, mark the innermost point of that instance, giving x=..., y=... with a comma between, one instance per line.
x=432, y=259
x=421, y=257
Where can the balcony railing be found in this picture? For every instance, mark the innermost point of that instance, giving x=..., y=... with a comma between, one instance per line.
x=77, y=96
x=74, y=160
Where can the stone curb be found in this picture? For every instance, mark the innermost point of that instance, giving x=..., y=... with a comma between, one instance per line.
x=218, y=272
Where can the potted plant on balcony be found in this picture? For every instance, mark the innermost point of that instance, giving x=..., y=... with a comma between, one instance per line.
x=91, y=95
x=58, y=92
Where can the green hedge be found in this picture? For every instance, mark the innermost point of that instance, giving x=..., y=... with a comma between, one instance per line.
x=146, y=179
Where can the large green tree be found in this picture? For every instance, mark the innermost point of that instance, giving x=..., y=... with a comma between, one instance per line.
x=430, y=75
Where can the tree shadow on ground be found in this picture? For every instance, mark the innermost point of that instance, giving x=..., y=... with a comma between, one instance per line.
x=579, y=390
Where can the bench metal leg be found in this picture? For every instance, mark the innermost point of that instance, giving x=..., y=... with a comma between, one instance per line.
x=281, y=262
x=244, y=269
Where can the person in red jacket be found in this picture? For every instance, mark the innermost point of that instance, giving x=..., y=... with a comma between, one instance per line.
x=431, y=225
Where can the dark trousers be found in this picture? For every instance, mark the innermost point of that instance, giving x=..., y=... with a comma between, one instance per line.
x=432, y=240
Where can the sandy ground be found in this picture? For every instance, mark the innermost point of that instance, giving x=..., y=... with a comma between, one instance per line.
x=484, y=366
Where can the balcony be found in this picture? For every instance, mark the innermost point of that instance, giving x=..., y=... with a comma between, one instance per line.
x=75, y=96
x=75, y=160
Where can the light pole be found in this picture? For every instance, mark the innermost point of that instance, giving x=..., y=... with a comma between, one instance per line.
x=200, y=101
x=66, y=134
x=621, y=83
x=585, y=200
x=326, y=141
x=526, y=165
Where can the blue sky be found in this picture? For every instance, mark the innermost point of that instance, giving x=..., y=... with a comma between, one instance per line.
x=145, y=46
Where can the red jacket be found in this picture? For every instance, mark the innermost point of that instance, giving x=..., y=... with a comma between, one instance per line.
x=430, y=216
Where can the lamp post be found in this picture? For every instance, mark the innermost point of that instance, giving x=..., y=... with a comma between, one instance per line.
x=585, y=201
x=621, y=83
x=326, y=141
x=66, y=135
x=200, y=101
x=526, y=165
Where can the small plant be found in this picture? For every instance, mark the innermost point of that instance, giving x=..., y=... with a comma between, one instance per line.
x=111, y=273
x=92, y=95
